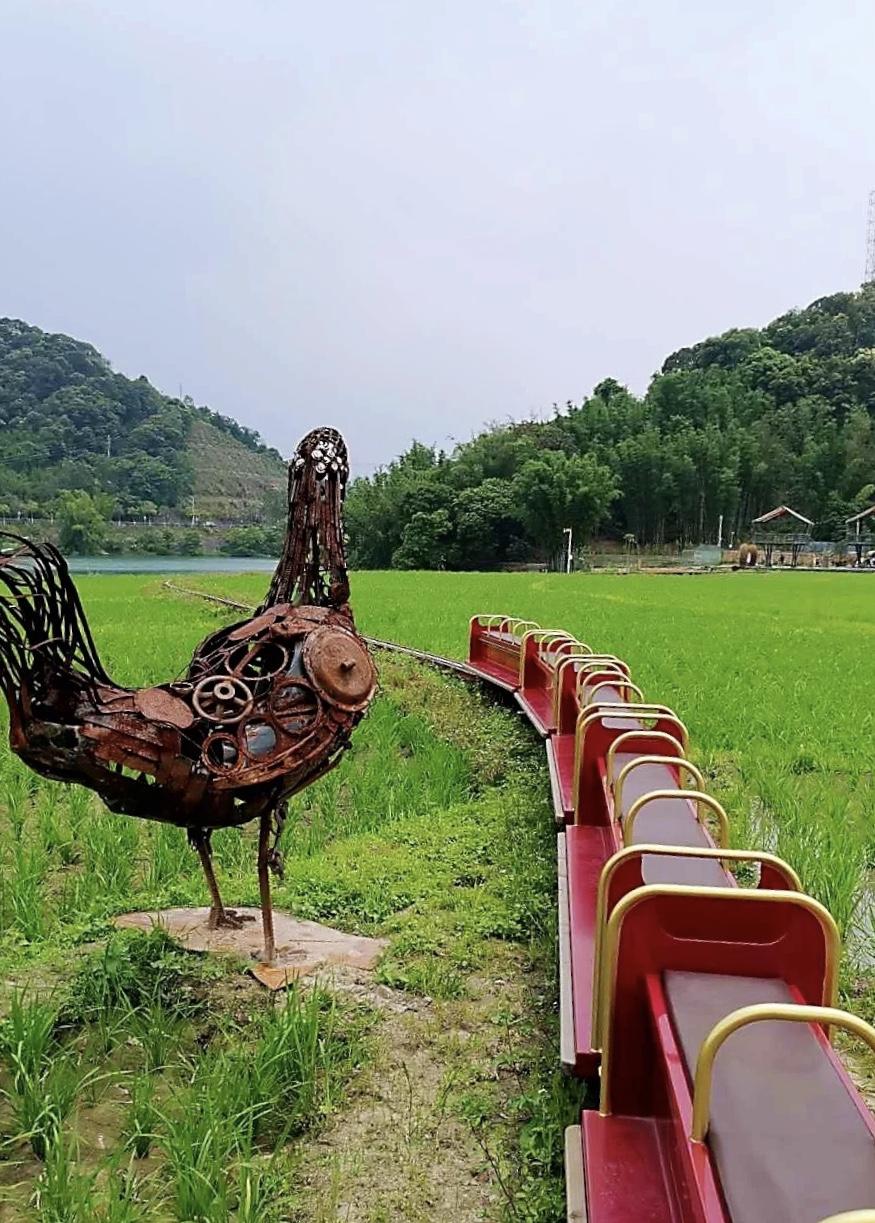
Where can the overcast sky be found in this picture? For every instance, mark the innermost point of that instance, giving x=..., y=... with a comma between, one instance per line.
x=409, y=217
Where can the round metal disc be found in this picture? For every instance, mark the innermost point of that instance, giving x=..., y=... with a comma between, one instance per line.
x=340, y=666
x=159, y=705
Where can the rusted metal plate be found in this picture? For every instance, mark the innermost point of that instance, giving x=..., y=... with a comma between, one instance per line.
x=339, y=664
x=159, y=705
x=253, y=627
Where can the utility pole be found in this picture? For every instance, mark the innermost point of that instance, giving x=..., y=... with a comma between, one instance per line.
x=108, y=446
x=192, y=510
x=567, y=531
x=720, y=532
x=870, y=240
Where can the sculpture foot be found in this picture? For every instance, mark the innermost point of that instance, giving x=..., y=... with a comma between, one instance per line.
x=228, y=919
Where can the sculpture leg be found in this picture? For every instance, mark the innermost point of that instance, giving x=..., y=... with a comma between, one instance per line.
x=219, y=915
x=264, y=861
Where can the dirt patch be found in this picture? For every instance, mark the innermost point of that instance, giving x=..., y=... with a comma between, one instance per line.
x=401, y=1148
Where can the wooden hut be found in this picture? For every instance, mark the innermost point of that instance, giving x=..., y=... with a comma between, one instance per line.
x=860, y=531
x=784, y=528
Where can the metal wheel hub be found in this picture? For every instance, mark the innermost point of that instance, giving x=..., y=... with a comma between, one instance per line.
x=340, y=666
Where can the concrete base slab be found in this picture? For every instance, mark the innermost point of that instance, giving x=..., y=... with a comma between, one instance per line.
x=302, y=947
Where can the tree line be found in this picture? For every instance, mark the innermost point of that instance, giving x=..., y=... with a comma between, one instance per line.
x=728, y=429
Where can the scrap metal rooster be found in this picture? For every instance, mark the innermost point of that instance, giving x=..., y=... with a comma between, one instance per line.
x=266, y=706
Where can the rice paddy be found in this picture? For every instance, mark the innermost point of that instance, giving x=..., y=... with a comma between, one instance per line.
x=771, y=672
x=141, y=1082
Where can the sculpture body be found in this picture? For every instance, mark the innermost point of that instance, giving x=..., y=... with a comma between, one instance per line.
x=266, y=706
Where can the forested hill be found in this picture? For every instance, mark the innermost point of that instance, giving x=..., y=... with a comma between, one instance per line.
x=69, y=422
x=733, y=426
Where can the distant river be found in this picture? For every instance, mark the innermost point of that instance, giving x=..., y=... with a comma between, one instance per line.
x=171, y=564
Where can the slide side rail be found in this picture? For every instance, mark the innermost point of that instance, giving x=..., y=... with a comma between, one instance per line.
x=826, y=1016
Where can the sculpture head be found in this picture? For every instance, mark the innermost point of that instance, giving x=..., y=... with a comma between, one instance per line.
x=322, y=452
x=312, y=568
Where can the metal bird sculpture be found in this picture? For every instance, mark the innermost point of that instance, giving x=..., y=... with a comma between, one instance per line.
x=267, y=705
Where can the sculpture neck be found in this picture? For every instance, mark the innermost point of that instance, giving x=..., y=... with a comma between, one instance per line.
x=312, y=567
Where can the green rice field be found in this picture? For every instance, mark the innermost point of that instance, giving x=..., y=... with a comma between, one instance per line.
x=141, y=1082
x=771, y=672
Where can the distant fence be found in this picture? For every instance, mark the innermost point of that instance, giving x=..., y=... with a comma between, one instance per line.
x=703, y=556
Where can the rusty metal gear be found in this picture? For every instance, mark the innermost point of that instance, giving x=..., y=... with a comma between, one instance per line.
x=222, y=698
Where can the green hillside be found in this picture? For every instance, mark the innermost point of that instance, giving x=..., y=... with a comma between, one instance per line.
x=230, y=478
x=69, y=422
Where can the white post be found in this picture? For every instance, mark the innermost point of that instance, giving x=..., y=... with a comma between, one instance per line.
x=567, y=531
x=720, y=532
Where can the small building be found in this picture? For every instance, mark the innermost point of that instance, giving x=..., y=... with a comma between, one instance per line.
x=860, y=531
x=783, y=528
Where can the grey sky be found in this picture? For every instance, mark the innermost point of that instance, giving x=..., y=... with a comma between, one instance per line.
x=408, y=218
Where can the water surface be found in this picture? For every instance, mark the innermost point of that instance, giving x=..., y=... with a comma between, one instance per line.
x=171, y=564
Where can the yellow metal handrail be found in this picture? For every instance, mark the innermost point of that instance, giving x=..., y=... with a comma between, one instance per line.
x=622, y=856
x=584, y=649
x=620, y=685
x=608, y=977
x=587, y=657
x=522, y=624
x=621, y=709
x=540, y=634
x=596, y=663
x=662, y=735
x=699, y=797
x=607, y=658
x=488, y=619
x=760, y=1012
x=607, y=666
x=570, y=660
x=605, y=709
x=852, y=1216
x=677, y=762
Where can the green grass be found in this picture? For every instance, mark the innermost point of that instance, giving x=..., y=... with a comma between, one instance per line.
x=435, y=834
x=216, y=1093
x=769, y=671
